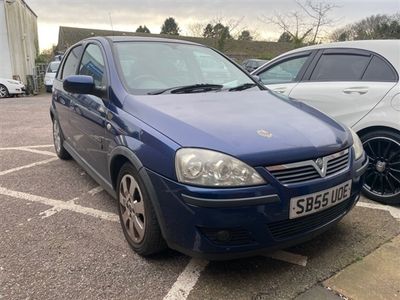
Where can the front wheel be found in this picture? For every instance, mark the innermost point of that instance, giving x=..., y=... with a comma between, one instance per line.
x=3, y=91
x=382, y=178
x=137, y=216
x=58, y=141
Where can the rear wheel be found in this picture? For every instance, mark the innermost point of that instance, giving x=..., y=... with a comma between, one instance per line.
x=382, y=178
x=3, y=91
x=58, y=141
x=137, y=216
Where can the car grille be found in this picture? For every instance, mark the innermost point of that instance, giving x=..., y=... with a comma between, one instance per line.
x=308, y=170
x=291, y=227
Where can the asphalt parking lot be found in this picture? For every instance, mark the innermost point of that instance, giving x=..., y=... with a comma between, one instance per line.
x=61, y=238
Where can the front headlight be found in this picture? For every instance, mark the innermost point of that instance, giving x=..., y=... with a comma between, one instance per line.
x=210, y=168
x=12, y=82
x=357, y=145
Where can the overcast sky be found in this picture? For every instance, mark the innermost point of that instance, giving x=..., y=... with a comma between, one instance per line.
x=127, y=15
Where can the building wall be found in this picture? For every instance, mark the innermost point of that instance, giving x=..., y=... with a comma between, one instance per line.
x=5, y=58
x=21, y=24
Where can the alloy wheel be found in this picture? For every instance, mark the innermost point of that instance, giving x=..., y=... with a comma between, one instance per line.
x=132, y=208
x=57, y=136
x=382, y=177
x=3, y=91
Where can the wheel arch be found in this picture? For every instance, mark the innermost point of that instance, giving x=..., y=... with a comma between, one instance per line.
x=121, y=155
x=366, y=130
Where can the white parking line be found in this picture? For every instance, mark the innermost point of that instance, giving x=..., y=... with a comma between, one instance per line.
x=37, y=151
x=29, y=150
x=186, y=280
x=394, y=211
x=21, y=147
x=61, y=205
x=52, y=211
x=289, y=257
x=42, y=162
x=95, y=191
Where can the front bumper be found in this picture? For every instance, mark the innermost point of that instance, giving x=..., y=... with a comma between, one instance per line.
x=238, y=222
x=16, y=89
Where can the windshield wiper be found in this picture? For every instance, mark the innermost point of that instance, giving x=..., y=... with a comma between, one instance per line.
x=194, y=88
x=242, y=87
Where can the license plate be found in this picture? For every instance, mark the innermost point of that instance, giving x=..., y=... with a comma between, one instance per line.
x=312, y=203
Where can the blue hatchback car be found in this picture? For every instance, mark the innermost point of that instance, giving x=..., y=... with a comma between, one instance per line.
x=199, y=155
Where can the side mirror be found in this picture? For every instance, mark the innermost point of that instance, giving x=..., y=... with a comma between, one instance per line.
x=256, y=78
x=79, y=84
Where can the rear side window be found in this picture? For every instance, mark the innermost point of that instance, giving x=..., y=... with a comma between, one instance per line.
x=72, y=61
x=340, y=67
x=379, y=70
x=93, y=65
x=283, y=72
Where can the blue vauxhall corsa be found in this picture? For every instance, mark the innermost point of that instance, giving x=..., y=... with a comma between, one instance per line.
x=200, y=156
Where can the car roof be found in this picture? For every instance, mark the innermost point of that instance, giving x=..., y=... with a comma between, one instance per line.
x=146, y=39
x=390, y=49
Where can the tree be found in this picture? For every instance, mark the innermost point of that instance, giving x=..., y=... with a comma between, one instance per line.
x=245, y=36
x=318, y=11
x=219, y=32
x=305, y=24
x=209, y=31
x=170, y=27
x=46, y=55
x=143, y=29
x=285, y=38
x=373, y=27
x=196, y=29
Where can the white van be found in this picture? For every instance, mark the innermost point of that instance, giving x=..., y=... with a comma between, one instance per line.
x=50, y=75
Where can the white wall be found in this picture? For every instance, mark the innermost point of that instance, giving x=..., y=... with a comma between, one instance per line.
x=5, y=58
x=21, y=24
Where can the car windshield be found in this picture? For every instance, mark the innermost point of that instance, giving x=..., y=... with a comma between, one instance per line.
x=152, y=67
x=53, y=67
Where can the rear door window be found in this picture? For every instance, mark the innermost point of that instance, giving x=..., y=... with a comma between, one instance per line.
x=340, y=67
x=380, y=71
x=72, y=61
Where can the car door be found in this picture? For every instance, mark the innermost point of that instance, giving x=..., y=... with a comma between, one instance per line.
x=282, y=75
x=346, y=83
x=88, y=116
x=63, y=100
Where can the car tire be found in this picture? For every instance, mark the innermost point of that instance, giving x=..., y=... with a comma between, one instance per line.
x=3, y=91
x=58, y=140
x=49, y=89
x=382, y=178
x=137, y=216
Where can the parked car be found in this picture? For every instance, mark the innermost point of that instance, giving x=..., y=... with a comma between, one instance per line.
x=252, y=64
x=50, y=75
x=217, y=168
x=357, y=83
x=10, y=87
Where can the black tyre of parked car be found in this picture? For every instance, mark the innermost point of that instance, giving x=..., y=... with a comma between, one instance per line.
x=3, y=91
x=382, y=178
x=58, y=139
x=137, y=216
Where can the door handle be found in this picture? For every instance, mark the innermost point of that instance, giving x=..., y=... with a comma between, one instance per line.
x=109, y=126
x=356, y=90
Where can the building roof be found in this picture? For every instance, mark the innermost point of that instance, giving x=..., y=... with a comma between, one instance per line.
x=240, y=50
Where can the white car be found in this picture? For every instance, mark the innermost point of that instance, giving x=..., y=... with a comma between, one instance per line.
x=11, y=87
x=50, y=75
x=357, y=83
